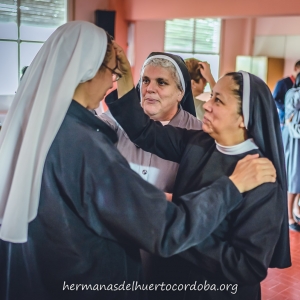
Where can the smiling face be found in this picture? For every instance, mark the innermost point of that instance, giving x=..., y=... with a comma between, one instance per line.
x=222, y=120
x=160, y=93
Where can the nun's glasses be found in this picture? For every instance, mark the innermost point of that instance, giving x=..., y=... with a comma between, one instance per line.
x=115, y=75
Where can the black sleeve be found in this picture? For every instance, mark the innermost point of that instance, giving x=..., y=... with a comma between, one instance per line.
x=243, y=256
x=167, y=142
x=132, y=210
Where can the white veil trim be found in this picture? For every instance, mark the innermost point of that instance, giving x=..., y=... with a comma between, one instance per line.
x=72, y=54
x=246, y=97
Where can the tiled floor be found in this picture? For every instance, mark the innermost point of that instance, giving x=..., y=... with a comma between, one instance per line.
x=285, y=284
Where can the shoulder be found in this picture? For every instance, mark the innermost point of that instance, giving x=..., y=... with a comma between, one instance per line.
x=285, y=80
x=188, y=121
x=75, y=134
x=108, y=118
x=282, y=83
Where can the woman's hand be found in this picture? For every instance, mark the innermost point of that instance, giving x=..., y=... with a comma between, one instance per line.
x=125, y=83
x=206, y=73
x=252, y=171
x=123, y=63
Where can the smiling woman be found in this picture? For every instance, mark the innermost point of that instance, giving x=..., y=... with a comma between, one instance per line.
x=161, y=94
x=240, y=119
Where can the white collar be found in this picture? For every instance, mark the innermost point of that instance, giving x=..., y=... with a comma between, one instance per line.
x=165, y=122
x=243, y=147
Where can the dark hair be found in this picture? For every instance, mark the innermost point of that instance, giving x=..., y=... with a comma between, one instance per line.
x=194, y=69
x=297, y=82
x=297, y=64
x=108, y=49
x=238, y=92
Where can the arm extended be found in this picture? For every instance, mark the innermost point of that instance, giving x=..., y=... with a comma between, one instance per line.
x=244, y=255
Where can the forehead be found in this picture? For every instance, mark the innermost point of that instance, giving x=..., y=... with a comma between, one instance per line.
x=224, y=85
x=157, y=72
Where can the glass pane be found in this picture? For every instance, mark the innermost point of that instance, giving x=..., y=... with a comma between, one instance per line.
x=35, y=33
x=50, y=13
x=243, y=63
x=27, y=53
x=207, y=35
x=179, y=35
x=9, y=68
x=8, y=31
x=259, y=67
x=8, y=11
x=8, y=19
x=40, y=18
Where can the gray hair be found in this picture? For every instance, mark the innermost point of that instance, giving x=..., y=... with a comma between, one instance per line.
x=166, y=64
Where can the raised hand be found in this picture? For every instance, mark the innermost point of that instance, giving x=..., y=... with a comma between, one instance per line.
x=125, y=84
x=206, y=73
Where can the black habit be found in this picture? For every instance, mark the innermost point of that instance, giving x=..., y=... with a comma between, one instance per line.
x=251, y=239
x=94, y=214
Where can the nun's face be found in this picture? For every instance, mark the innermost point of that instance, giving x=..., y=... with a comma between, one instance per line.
x=160, y=94
x=90, y=93
x=221, y=119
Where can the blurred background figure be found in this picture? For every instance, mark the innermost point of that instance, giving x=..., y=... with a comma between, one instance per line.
x=291, y=142
x=282, y=86
x=200, y=74
x=23, y=72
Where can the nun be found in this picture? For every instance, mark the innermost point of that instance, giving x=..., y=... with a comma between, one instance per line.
x=73, y=214
x=166, y=96
x=240, y=119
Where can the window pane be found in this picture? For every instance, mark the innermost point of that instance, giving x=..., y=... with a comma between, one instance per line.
x=27, y=53
x=50, y=13
x=207, y=35
x=179, y=35
x=8, y=11
x=9, y=68
x=8, y=31
x=8, y=20
x=34, y=33
x=39, y=19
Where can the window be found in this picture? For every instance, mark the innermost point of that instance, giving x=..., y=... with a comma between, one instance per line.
x=24, y=27
x=199, y=38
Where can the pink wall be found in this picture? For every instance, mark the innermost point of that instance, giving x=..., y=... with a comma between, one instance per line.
x=85, y=10
x=274, y=26
x=149, y=37
x=232, y=44
x=242, y=21
x=169, y=9
x=288, y=26
x=121, y=24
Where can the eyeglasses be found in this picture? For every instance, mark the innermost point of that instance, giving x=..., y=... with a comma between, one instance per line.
x=115, y=75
